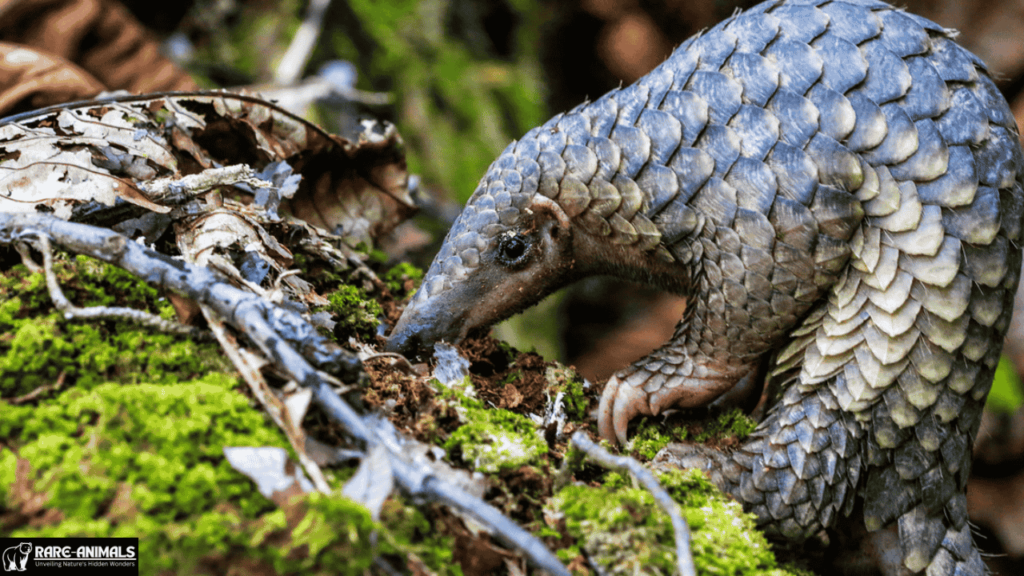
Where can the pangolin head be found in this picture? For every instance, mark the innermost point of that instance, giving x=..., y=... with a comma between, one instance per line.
x=510, y=247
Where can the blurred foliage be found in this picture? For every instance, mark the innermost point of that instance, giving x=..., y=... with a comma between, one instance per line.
x=240, y=43
x=464, y=74
x=1007, y=393
x=465, y=85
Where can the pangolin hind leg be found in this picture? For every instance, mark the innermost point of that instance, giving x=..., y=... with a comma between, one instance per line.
x=799, y=473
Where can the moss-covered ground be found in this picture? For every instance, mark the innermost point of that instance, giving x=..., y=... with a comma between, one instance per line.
x=132, y=444
x=109, y=429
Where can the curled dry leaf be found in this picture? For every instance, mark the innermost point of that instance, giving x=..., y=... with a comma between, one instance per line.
x=78, y=159
x=100, y=36
x=276, y=476
x=30, y=79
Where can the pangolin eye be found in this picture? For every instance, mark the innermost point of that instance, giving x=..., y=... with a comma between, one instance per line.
x=513, y=251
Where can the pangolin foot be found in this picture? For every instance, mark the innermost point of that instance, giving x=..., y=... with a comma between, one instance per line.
x=620, y=403
x=648, y=394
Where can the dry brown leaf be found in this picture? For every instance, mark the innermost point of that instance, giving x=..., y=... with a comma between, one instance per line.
x=101, y=36
x=95, y=153
x=30, y=79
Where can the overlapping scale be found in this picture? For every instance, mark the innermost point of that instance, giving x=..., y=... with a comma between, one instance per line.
x=838, y=181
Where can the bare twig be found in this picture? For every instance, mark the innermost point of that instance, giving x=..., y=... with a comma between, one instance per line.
x=683, y=555
x=38, y=391
x=195, y=184
x=297, y=97
x=400, y=361
x=295, y=58
x=96, y=312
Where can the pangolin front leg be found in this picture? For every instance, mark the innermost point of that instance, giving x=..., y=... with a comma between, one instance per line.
x=669, y=378
x=836, y=187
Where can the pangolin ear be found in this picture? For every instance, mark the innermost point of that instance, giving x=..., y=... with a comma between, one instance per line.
x=541, y=203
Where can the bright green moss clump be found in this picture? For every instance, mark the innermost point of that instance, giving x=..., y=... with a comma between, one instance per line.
x=147, y=461
x=355, y=313
x=397, y=276
x=160, y=446
x=652, y=436
x=38, y=345
x=623, y=530
x=732, y=423
x=491, y=439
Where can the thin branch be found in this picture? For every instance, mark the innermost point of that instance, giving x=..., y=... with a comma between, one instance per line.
x=72, y=312
x=683, y=555
x=295, y=58
x=195, y=184
x=38, y=391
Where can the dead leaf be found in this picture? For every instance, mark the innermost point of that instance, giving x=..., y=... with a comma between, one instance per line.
x=30, y=79
x=373, y=481
x=100, y=36
x=276, y=477
x=99, y=152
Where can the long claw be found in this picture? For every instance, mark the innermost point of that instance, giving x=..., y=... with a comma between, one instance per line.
x=620, y=402
x=604, y=411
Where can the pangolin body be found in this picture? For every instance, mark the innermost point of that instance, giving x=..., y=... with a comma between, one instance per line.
x=836, y=187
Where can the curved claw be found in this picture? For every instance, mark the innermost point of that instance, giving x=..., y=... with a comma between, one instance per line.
x=622, y=400
x=620, y=403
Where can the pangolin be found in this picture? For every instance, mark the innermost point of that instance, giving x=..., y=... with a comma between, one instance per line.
x=835, y=187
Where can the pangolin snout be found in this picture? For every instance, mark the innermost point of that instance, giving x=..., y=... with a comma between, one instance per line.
x=406, y=339
x=421, y=325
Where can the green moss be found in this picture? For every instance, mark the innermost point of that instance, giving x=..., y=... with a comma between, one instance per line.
x=651, y=437
x=38, y=345
x=165, y=440
x=732, y=423
x=398, y=275
x=491, y=439
x=8, y=466
x=163, y=444
x=162, y=448
x=622, y=529
x=355, y=313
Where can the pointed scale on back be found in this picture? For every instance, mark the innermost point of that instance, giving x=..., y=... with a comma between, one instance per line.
x=835, y=186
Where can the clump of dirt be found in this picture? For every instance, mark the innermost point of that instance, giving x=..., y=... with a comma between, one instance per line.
x=506, y=378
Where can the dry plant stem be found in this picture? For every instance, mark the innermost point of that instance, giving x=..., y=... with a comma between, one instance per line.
x=648, y=481
x=295, y=58
x=95, y=312
x=195, y=184
x=400, y=360
x=298, y=97
x=280, y=334
x=26, y=258
x=247, y=367
x=38, y=391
